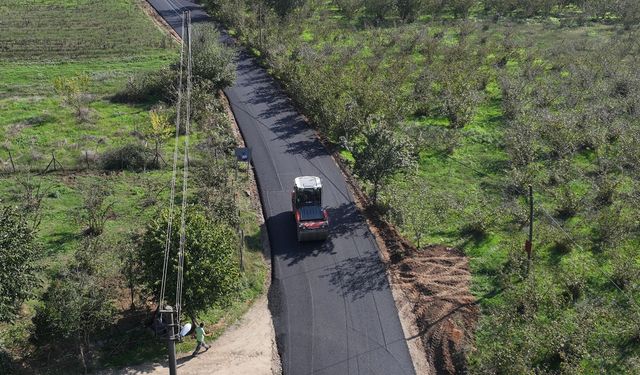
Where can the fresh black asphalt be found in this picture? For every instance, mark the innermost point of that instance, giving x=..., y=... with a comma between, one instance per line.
x=335, y=313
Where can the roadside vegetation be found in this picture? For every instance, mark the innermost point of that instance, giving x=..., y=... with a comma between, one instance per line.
x=87, y=130
x=486, y=98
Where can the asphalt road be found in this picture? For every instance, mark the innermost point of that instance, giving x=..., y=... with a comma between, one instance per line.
x=335, y=314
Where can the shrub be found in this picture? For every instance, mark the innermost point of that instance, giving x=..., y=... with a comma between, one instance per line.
x=350, y=8
x=18, y=253
x=212, y=60
x=158, y=85
x=132, y=156
x=96, y=209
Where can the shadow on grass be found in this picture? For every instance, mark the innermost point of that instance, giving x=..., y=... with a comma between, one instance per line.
x=61, y=241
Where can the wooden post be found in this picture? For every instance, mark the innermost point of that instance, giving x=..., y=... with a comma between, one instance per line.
x=242, y=250
x=86, y=158
x=528, y=245
x=13, y=167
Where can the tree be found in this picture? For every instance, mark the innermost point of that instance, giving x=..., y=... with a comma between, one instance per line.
x=284, y=7
x=18, y=254
x=158, y=130
x=211, y=59
x=74, y=307
x=96, y=209
x=350, y=8
x=408, y=9
x=417, y=209
x=380, y=153
x=379, y=9
x=209, y=269
x=32, y=198
x=452, y=88
x=73, y=93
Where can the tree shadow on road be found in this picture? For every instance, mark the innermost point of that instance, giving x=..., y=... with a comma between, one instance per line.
x=357, y=277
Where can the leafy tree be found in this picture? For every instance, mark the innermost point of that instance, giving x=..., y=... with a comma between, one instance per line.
x=461, y=7
x=73, y=92
x=380, y=153
x=212, y=60
x=417, y=212
x=453, y=87
x=379, y=9
x=210, y=274
x=350, y=8
x=75, y=306
x=284, y=7
x=408, y=9
x=18, y=253
x=158, y=130
x=453, y=91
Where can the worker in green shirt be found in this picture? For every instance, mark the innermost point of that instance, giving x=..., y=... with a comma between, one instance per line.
x=200, y=335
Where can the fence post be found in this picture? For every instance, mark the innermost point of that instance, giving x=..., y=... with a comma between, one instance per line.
x=13, y=167
x=242, y=250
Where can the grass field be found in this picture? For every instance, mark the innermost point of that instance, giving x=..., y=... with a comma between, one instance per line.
x=70, y=29
x=110, y=42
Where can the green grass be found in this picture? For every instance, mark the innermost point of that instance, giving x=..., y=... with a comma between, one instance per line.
x=35, y=123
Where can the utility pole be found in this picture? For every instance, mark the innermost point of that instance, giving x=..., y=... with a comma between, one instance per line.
x=528, y=244
x=168, y=315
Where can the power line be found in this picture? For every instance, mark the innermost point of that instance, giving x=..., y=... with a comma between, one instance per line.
x=173, y=177
x=179, y=283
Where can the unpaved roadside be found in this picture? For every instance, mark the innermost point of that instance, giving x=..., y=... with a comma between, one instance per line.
x=247, y=347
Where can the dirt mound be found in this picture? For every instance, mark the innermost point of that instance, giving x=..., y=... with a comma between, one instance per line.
x=436, y=279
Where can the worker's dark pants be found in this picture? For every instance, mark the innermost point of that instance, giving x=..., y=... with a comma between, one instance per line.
x=200, y=343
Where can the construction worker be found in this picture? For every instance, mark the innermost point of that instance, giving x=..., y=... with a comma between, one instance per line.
x=200, y=335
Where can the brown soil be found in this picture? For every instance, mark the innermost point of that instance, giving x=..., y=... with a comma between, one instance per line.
x=436, y=279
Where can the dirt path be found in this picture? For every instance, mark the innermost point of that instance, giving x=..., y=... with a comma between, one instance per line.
x=247, y=347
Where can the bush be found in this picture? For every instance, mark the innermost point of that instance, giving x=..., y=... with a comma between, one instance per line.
x=96, y=208
x=212, y=60
x=132, y=156
x=18, y=253
x=159, y=85
x=350, y=8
